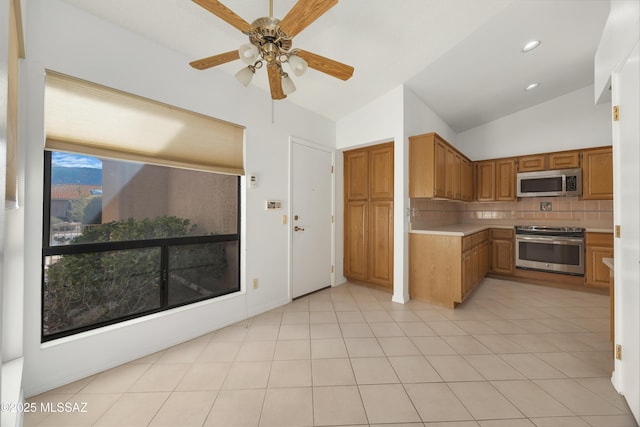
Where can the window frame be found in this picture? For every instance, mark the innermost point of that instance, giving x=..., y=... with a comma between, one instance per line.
x=163, y=243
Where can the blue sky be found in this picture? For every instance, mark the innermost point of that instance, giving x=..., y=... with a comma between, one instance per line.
x=67, y=160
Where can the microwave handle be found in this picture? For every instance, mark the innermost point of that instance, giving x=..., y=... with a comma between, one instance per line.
x=564, y=184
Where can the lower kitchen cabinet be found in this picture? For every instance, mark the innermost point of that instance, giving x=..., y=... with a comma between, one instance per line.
x=598, y=246
x=445, y=269
x=502, y=251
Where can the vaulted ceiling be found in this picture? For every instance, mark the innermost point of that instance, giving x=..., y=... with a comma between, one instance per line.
x=461, y=57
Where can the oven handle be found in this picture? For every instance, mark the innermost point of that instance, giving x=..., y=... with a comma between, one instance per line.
x=550, y=239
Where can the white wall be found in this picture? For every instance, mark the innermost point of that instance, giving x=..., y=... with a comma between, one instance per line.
x=563, y=123
x=64, y=39
x=621, y=31
x=620, y=36
x=420, y=118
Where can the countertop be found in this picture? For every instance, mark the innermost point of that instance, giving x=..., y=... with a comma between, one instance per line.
x=467, y=229
x=458, y=229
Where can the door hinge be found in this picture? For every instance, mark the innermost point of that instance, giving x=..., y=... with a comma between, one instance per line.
x=332, y=269
x=616, y=113
x=618, y=352
x=331, y=219
x=618, y=231
x=331, y=168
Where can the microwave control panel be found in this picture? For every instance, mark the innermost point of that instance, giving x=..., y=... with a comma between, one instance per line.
x=572, y=183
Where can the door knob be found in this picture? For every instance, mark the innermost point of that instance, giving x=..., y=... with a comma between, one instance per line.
x=296, y=228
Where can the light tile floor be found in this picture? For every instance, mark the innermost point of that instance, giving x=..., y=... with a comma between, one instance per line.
x=512, y=355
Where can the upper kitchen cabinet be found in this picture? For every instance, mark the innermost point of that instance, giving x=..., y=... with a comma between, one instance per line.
x=427, y=166
x=496, y=180
x=549, y=161
x=536, y=162
x=597, y=174
x=486, y=181
x=438, y=170
x=505, y=179
x=466, y=178
x=563, y=160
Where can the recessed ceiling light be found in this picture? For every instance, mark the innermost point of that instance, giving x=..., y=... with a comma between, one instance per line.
x=532, y=86
x=530, y=46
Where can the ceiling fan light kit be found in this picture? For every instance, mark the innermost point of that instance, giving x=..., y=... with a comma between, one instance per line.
x=270, y=44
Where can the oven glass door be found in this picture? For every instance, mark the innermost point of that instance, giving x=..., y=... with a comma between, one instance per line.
x=559, y=254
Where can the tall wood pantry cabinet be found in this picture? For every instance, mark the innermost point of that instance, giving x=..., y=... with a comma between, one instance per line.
x=368, y=214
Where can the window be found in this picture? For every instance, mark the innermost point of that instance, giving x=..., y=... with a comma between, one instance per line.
x=123, y=239
x=141, y=206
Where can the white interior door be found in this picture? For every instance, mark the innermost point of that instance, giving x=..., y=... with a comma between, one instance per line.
x=626, y=134
x=311, y=210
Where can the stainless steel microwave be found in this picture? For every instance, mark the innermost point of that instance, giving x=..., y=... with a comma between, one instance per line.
x=565, y=182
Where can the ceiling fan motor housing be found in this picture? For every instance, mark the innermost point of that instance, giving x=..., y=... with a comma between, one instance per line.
x=267, y=37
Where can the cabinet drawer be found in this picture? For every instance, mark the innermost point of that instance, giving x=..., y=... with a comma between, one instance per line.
x=599, y=239
x=501, y=234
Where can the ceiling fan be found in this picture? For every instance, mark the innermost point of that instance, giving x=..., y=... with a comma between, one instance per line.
x=270, y=43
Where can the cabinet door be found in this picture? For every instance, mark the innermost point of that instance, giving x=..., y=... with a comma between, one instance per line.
x=564, y=160
x=457, y=176
x=450, y=170
x=502, y=256
x=597, y=174
x=356, y=175
x=599, y=246
x=505, y=180
x=355, y=240
x=486, y=181
x=484, y=259
x=439, y=169
x=597, y=273
x=467, y=274
x=421, y=166
x=381, y=172
x=470, y=271
x=380, y=241
x=466, y=180
x=531, y=163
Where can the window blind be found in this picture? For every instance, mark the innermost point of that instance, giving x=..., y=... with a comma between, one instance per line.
x=87, y=118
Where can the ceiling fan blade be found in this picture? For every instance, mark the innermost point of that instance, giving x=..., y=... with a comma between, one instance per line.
x=275, y=82
x=212, y=61
x=326, y=65
x=226, y=14
x=303, y=13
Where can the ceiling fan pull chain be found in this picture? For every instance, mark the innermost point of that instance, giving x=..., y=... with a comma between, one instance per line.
x=271, y=8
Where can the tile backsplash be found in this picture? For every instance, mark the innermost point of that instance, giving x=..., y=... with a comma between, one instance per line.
x=536, y=211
